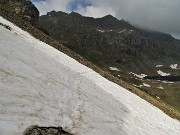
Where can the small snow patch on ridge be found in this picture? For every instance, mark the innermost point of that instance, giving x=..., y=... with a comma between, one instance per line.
x=131, y=31
x=100, y=30
x=146, y=85
x=122, y=31
x=160, y=87
x=163, y=73
x=159, y=66
x=114, y=69
x=174, y=66
x=139, y=76
x=167, y=82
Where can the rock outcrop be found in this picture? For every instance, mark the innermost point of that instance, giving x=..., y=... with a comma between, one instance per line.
x=35, y=130
x=23, y=8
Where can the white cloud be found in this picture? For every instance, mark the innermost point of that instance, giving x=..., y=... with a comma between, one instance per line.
x=94, y=11
x=49, y=5
x=176, y=35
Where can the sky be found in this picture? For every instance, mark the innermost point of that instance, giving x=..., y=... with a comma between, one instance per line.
x=158, y=15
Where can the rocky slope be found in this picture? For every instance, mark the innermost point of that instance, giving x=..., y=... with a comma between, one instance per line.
x=112, y=42
x=23, y=8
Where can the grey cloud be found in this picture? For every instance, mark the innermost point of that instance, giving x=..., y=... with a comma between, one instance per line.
x=159, y=15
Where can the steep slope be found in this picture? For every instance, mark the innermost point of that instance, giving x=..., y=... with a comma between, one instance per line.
x=114, y=44
x=23, y=8
x=41, y=86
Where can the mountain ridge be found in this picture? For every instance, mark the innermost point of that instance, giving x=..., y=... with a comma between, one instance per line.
x=105, y=30
x=110, y=17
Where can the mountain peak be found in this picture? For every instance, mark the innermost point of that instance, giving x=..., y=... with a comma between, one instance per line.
x=75, y=14
x=56, y=13
x=108, y=16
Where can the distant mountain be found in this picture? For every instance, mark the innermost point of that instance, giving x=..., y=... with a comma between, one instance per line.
x=122, y=49
x=111, y=42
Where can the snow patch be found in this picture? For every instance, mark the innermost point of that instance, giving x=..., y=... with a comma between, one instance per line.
x=139, y=76
x=163, y=73
x=100, y=30
x=160, y=87
x=122, y=31
x=167, y=82
x=114, y=69
x=131, y=31
x=135, y=85
x=145, y=85
x=174, y=66
x=159, y=66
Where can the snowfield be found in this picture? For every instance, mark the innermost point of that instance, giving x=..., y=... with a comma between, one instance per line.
x=41, y=86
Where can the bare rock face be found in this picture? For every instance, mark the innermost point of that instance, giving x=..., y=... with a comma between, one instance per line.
x=23, y=8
